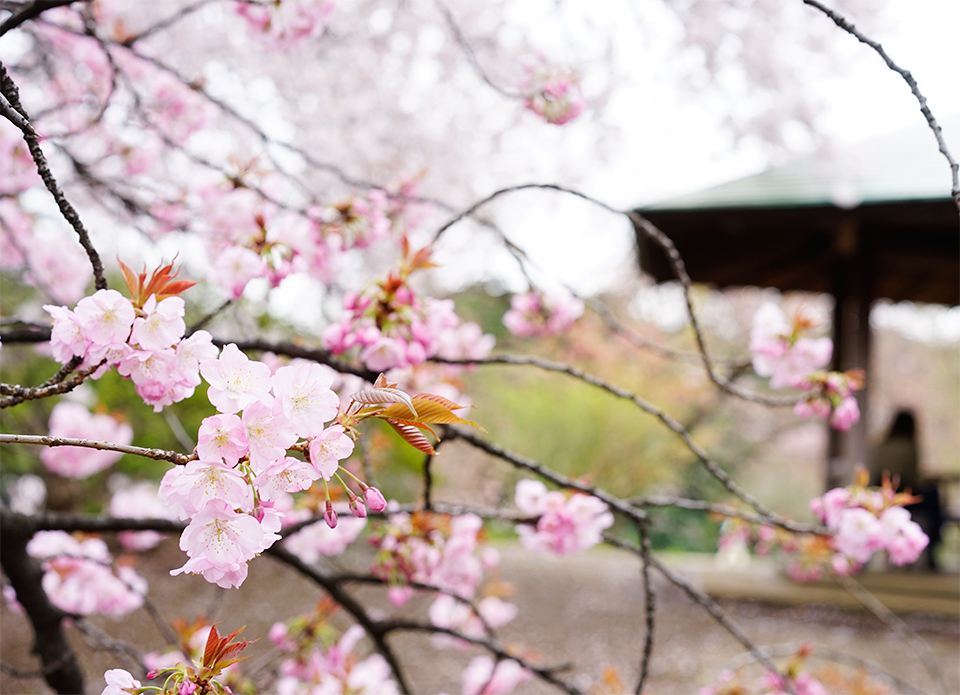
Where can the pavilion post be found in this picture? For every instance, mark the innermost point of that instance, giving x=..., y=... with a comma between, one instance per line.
x=853, y=297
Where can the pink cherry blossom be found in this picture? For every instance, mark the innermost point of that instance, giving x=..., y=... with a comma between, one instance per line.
x=553, y=93
x=188, y=489
x=374, y=499
x=781, y=353
x=846, y=414
x=326, y=451
x=564, y=525
x=304, y=394
x=79, y=579
x=119, y=682
x=858, y=534
x=163, y=325
x=66, y=338
x=483, y=677
x=222, y=438
x=235, y=380
x=903, y=538
x=105, y=318
x=268, y=434
x=221, y=539
x=154, y=374
x=286, y=474
x=73, y=420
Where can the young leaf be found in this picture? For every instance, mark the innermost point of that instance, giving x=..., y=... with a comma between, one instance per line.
x=413, y=436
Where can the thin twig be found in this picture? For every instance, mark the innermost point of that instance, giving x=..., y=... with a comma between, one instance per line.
x=46, y=440
x=9, y=90
x=897, y=625
x=848, y=27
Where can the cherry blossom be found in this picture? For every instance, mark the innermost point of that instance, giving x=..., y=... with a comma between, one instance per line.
x=73, y=420
x=219, y=541
x=553, y=93
x=79, y=578
x=781, y=352
x=484, y=677
x=304, y=394
x=327, y=450
x=119, y=682
x=536, y=314
x=222, y=438
x=105, y=318
x=235, y=380
x=564, y=525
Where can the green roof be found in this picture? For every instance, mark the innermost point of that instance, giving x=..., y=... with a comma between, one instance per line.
x=901, y=166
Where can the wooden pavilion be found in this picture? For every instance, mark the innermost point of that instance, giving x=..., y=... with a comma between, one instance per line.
x=874, y=221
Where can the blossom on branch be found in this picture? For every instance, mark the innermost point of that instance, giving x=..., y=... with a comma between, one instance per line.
x=73, y=420
x=564, y=525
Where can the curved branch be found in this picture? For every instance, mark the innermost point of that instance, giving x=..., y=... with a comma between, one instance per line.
x=712, y=466
x=12, y=94
x=33, y=10
x=848, y=27
x=14, y=394
x=351, y=605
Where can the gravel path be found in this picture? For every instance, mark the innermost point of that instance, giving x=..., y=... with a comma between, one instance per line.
x=584, y=610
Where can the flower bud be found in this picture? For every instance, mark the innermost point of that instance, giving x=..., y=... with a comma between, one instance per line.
x=330, y=516
x=357, y=508
x=375, y=499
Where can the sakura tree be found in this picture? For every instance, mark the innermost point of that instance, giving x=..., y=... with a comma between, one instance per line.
x=228, y=212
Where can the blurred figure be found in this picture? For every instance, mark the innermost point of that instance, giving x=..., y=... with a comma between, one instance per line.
x=898, y=456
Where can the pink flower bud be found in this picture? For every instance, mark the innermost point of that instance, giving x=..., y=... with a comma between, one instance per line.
x=375, y=499
x=330, y=516
x=187, y=688
x=357, y=508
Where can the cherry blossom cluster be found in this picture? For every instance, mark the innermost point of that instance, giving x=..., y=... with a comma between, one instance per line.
x=483, y=676
x=73, y=420
x=243, y=469
x=287, y=23
x=783, y=351
x=322, y=660
x=390, y=325
x=862, y=521
x=770, y=683
x=553, y=93
x=564, y=524
x=538, y=314
x=865, y=520
x=80, y=577
x=433, y=549
x=142, y=337
x=47, y=257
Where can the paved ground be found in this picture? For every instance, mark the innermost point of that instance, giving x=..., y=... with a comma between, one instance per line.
x=584, y=610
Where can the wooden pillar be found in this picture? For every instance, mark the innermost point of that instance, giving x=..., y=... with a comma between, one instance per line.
x=853, y=297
